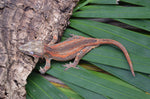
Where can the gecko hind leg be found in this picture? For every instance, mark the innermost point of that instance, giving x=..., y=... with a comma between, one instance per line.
x=78, y=57
x=47, y=65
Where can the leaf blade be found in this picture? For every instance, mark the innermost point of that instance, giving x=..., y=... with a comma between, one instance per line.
x=85, y=79
x=95, y=11
x=139, y=80
x=138, y=2
x=37, y=84
x=143, y=24
x=103, y=1
x=87, y=94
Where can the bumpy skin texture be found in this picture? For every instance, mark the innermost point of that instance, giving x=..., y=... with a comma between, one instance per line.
x=22, y=21
x=74, y=47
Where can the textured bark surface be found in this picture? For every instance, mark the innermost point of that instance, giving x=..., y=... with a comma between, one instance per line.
x=20, y=22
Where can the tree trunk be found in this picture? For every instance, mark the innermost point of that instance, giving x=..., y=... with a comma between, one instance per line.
x=22, y=21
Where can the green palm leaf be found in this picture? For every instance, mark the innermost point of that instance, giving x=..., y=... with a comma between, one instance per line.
x=140, y=80
x=96, y=85
x=113, y=12
x=38, y=88
x=143, y=24
x=138, y=2
x=87, y=84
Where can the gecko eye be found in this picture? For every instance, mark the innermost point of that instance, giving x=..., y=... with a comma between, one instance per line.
x=32, y=53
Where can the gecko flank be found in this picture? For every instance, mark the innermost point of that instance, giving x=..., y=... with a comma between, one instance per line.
x=74, y=47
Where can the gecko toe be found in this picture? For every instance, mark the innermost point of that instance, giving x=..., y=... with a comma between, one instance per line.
x=70, y=65
x=42, y=71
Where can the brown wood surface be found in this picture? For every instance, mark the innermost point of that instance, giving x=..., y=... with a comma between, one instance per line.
x=22, y=21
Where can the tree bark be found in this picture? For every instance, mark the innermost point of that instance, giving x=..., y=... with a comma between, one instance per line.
x=22, y=21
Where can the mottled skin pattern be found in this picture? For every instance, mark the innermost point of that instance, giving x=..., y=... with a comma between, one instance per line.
x=74, y=47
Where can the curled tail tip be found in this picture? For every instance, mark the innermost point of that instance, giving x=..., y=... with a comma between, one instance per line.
x=132, y=71
x=133, y=74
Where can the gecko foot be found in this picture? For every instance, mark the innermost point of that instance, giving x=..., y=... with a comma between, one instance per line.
x=70, y=65
x=42, y=70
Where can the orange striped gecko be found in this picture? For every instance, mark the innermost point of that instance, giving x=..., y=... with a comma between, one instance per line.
x=74, y=47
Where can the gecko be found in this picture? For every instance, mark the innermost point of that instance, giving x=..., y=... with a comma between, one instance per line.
x=74, y=47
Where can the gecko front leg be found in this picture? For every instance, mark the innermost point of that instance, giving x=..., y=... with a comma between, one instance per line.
x=47, y=65
x=79, y=55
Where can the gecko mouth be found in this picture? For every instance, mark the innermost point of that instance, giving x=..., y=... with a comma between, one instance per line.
x=22, y=49
x=29, y=53
x=25, y=52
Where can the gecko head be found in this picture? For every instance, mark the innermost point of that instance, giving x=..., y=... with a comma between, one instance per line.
x=33, y=48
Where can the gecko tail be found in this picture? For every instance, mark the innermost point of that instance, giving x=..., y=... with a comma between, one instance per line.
x=132, y=71
x=119, y=45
